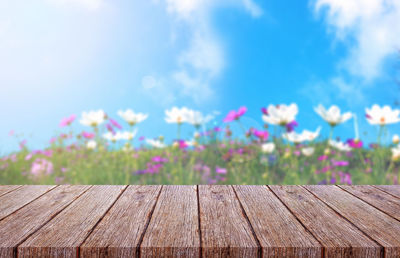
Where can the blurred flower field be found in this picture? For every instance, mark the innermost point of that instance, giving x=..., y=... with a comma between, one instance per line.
x=110, y=151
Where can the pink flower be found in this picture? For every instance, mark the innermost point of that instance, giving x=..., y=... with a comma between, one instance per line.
x=22, y=144
x=340, y=163
x=182, y=144
x=262, y=135
x=29, y=156
x=264, y=111
x=219, y=170
x=41, y=167
x=235, y=115
x=159, y=159
x=355, y=143
x=141, y=138
x=53, y=140
x=115, y=123
x=110, y=128
x=323, y=157
x=67, y=120
x=88, y=135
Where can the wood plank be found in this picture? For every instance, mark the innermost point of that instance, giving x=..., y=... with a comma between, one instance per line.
x=18, y=198
x=376, y=224
x=63, y=235
x=379, y=199
x=279, y=232
x=173, y=230
x=391, y=189
x=225, y=231
x=18, y=226
x=119, y=232
x=4, y=189
x=339, y=237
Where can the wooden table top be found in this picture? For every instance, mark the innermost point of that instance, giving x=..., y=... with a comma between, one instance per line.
x=199, y=221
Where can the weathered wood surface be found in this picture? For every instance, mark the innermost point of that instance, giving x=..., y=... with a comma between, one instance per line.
x=199, y=221
x=377, y=225
x=63, y=235
x=225, y=230
x=18, y=198
x=28, y=219
x=275, y=226
x=173, y=229
x=4, y=189
x=339, y=237
x=120, y=231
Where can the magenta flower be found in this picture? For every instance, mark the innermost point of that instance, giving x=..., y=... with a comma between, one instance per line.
x=110, y=128
x=182, y=144
x=141, y=138
x=88, y=135
x=262, y=135
x=264, y=111
x=159, y=159
x=67, y=120
x=115, y=123
x=219, y=170
x=340, y=163
x=235, y=115
x=355, y=143
x=290, y=126
x=323, y=157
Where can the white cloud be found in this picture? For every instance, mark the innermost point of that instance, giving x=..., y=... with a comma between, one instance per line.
x=370, y=27
x=203, y=59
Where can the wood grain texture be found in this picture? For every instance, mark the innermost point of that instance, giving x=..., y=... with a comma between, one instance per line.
x=16, y=199
x=173, y=230
x=379, y=199
x=376, y=224
x=119, y=232
x=225, y=231
x=15, y=228
x=279, y=232
x=338, y=236
x=4, y=189
x=391, y=189
x=63, y=235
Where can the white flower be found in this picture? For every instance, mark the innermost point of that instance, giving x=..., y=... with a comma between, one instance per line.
x=131, y=117
x=91, y=145
x=268, y=147
x=112, y=137
x=155, y=143
x=340, y=145
x=396, y=152
x=93, y=118
x=332, y=115
x=308, y=151
x=303, y=136
x=395, y=139
x=281, y=114
x=382, y=115
x=176, y=115
x=126, y=135
x=196, y=118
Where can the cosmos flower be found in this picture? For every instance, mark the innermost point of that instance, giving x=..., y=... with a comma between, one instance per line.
x=355, y=143
x=307, y=151
x=235, y=115
x=41, y=167
x=91, y=145
x=340, y=145
x=88, y=135
x=196, y=118
x=396, y=152
x=176, y=115
x=220, y=170
x=156, y=143
x=290, y=126
x=131, y=117
x=67, y=120
x=112, y=137
x=382, y=115
x=115, y=123
x=302, y=137
x=127, y=135
x=268, y=147
x=280, y=114
x=262, y=135
x=395, y=139
x=332, y=115
x=93, y=118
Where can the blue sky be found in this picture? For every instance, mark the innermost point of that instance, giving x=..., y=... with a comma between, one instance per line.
x=59, y=57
